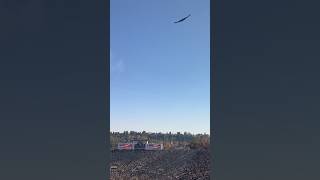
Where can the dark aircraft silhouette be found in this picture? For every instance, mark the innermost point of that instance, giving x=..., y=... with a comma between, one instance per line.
x=182, y=19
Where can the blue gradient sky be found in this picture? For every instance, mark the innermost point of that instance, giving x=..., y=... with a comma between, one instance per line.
x=160, y=74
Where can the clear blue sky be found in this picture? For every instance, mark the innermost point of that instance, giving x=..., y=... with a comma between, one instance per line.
x=160, y=74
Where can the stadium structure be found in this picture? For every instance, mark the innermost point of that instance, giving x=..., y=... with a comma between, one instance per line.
x=139, y=145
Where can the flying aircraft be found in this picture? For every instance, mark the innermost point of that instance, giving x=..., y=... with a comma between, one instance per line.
x=183, y=19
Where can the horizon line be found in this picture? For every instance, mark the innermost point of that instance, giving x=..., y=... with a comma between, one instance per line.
x=193, y=133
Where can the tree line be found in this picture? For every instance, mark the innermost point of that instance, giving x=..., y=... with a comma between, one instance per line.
x=168, y=139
